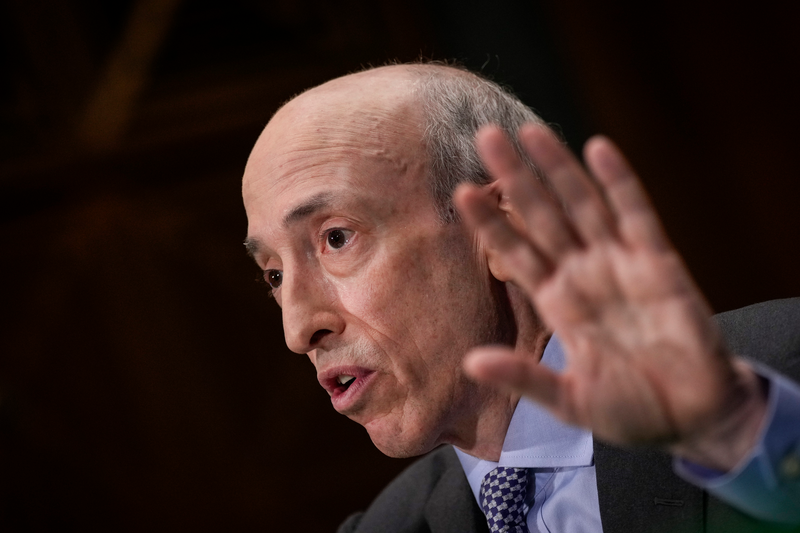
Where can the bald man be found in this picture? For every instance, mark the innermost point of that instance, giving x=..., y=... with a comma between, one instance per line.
x=446, y=295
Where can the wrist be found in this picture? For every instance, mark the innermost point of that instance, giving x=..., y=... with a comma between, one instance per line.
x=733, y=432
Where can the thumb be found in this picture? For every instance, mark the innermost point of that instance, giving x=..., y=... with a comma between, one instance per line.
x=505, y=368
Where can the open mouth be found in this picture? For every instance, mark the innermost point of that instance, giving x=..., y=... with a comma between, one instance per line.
x=344, y=381
x=345, y=384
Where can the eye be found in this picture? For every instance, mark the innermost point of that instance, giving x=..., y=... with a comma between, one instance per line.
x=337, y=238
x=273, y=278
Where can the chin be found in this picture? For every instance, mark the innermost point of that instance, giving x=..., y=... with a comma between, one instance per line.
x=401, y=443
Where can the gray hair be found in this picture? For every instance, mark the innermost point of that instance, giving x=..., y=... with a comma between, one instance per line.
x=456, y=102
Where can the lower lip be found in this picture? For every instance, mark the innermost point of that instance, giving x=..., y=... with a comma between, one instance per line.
x=345, y=400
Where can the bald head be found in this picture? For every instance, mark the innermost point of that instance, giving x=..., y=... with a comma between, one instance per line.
x=442, y=106
x=369, y=111
x=383, y=93
x=358, y=119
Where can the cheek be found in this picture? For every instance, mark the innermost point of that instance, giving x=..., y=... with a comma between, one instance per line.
x=389, y=290
x=391, y=305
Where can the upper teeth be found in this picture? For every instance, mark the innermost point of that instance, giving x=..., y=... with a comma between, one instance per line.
x=344, y=379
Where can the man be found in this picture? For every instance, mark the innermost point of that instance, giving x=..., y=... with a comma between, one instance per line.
x=352, y=216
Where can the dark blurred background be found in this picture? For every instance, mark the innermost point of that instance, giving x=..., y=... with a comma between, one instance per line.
x=144, y=382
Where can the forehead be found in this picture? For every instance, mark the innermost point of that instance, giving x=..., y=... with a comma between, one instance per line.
x=365, y=139
x=319, y=145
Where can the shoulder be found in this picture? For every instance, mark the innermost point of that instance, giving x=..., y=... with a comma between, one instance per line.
x=768, y=332
x=400, y=506
x=413, y=487
x=415, y=498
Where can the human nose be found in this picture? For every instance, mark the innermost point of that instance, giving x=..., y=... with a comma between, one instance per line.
x=310, y=315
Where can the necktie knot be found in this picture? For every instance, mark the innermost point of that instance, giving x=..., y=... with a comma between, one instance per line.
x=503, y=492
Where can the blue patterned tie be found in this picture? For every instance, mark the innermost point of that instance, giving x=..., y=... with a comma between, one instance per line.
x=503, y=500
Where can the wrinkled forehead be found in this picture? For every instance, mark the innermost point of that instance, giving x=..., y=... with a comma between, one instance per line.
x=349, y=127
x=349, y=121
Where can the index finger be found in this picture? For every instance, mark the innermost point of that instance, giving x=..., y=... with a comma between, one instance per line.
x=637, y=221
x=579, y=193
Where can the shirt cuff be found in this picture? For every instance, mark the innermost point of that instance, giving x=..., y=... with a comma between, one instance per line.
x=766, y=484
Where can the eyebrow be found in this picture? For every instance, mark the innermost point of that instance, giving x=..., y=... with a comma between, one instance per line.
x=298, y=213
x=252, y=245
x=308, y=208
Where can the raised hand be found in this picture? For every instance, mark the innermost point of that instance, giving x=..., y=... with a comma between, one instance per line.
x=645, y=365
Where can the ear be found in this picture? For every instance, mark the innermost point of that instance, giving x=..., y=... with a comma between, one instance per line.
x=496, y=265
x=494, y=260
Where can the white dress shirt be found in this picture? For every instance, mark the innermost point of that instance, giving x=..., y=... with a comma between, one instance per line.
x=565, y=495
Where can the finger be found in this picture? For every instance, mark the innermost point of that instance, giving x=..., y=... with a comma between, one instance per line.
x=520, y=259
x=637, y=221
x=587, y=208
x=502, y=367
x=545, y=222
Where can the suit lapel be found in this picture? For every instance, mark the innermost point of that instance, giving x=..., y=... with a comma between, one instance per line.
x=639, y=492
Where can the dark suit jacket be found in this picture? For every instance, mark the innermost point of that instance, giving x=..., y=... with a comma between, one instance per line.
x=637, y=488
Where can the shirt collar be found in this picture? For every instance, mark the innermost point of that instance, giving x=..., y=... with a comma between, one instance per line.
x=535, y=438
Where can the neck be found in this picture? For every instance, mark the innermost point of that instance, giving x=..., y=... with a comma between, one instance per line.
x=485, y=441
x=487, y=431
x=489, y=413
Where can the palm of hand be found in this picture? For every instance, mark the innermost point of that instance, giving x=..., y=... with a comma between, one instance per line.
x=645, y=364
x=639, y=369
